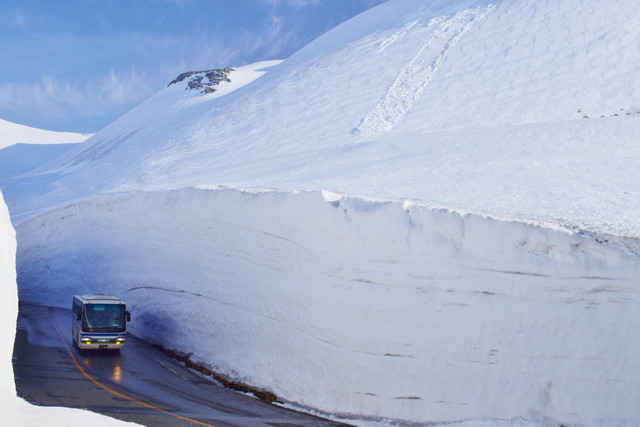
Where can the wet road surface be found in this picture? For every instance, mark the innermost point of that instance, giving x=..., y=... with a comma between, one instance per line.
x=140, y=384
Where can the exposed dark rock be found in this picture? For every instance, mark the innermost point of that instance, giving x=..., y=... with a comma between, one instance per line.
x=204, y=81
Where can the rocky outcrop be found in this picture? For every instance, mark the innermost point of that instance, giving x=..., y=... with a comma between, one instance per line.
x=204, y=81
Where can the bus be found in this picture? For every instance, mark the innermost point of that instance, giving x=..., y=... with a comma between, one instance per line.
x=98, y=322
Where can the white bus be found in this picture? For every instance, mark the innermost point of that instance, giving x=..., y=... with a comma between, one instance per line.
x=98, y=322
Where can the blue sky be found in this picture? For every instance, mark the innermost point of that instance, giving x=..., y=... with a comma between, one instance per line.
x=76, y=65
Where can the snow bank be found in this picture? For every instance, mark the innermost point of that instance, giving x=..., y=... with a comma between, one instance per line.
x=364, y=309
x=15, y=410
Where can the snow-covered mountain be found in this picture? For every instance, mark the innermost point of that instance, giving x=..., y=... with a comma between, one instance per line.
x=428, y=214
x=403, y=101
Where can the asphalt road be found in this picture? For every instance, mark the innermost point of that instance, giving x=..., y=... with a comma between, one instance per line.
x=139, y=384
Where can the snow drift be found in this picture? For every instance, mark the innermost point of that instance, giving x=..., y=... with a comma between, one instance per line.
x=428, y=214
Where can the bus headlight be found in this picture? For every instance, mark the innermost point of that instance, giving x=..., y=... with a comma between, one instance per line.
x=119, y=340
x=85, y=340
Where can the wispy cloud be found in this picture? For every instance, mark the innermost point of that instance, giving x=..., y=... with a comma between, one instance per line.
x=64, y=101
x=91, y=65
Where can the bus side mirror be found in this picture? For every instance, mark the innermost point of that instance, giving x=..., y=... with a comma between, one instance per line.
x=128, y=316
x=78, y=316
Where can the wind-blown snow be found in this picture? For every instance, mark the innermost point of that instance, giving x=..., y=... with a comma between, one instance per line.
x=15, y=411
x=409, y=219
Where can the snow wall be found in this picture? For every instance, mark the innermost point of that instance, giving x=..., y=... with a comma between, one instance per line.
x=363, y=309
x=8, y=300
x=15, y=410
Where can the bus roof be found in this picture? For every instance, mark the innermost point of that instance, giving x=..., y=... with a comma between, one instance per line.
x=96, y=298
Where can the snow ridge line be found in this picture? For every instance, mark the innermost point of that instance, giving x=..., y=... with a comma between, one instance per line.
x=413, y=78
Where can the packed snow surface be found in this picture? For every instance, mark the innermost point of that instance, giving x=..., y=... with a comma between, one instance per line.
x=427, y=215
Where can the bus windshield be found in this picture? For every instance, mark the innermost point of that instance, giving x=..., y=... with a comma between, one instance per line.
x=103, y=318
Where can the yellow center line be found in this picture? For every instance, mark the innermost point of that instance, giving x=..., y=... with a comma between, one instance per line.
x=112, y=391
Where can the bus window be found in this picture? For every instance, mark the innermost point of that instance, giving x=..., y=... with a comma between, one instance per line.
x=103, y=318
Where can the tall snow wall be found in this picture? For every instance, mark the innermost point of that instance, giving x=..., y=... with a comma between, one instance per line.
x=363, y=309
x=16, y=411
x=9, y=301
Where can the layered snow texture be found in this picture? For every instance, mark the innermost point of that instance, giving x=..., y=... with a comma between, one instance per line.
x=482, y=265
x=15, y=411
x=361, y=309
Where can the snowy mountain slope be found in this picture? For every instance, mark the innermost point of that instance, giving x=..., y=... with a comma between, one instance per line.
x=407, y=79
x=43, y=186
x=444, y=237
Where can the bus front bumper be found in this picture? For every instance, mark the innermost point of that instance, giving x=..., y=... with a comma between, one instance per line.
x=88, y=343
